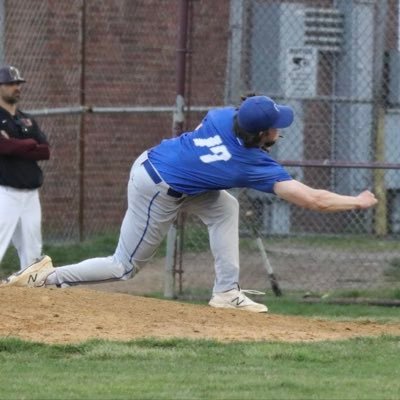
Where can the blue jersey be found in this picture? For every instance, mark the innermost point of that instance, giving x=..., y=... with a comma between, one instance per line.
x=212, y=157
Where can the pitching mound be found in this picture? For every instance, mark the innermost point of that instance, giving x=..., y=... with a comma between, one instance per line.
x=75, y=315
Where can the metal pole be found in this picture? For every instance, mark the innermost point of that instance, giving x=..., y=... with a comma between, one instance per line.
x=380, y=24
x=181, y=50
x=182, y=47
x=177, y=128
x=82, y=127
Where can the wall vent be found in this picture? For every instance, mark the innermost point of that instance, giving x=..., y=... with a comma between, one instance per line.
x=324, y=28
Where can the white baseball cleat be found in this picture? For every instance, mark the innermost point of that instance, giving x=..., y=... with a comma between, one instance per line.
x=235, y=298
x=32, y=276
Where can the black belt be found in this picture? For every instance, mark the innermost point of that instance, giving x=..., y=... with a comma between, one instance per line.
x=156, y=179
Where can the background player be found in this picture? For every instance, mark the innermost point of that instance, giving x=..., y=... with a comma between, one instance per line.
x=22, y=144
x=191, y=172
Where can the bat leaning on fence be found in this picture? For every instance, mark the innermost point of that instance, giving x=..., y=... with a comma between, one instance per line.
x=272, y=278
x=271, y=275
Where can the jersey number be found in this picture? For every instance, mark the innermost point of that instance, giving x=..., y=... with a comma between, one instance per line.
x=218, y=150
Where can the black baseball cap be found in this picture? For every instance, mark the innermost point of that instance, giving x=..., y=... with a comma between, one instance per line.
x=10, y=74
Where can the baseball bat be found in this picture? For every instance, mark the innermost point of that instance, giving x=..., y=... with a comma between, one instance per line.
x=271, y=275
x=272, y=278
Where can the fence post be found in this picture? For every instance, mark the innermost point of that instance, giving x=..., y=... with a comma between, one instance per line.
x=82, y=128
x=178, y=120
x=381, y=226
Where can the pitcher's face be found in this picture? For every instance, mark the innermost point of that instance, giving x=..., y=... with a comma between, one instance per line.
x=269, y=137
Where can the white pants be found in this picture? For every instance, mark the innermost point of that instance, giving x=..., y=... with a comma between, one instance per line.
x=150, y=213
x=20, y=223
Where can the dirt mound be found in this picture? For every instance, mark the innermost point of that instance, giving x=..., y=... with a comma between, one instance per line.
x=75, y=315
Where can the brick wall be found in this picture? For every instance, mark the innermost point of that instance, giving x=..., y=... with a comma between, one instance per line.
x=125, y=51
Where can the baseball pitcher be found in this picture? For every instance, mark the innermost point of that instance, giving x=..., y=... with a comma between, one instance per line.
x=192, y=172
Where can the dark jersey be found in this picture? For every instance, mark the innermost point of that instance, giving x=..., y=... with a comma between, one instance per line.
x=22, y=144
x=212, y=158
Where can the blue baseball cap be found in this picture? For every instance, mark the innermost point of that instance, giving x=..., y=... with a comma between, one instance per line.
x=10, y=74
x=259, y=113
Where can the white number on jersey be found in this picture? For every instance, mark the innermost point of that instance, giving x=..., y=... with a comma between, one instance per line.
x=218, y=150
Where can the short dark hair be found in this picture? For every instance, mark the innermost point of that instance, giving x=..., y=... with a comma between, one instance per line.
x=243, y=97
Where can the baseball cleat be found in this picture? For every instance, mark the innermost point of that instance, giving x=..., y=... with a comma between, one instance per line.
x=32, y=276
x=235, y=298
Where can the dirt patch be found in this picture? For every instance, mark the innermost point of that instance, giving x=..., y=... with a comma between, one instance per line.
x=76, y=315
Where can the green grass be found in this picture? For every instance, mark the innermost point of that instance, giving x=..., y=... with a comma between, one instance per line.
x=349, y=242
x=183, y=369
x=343, y=242
x=67, y=253
x=292, y=306
x=196, y=240
x=393, y=272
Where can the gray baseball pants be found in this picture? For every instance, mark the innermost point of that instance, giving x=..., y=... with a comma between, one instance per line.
x=151, y=211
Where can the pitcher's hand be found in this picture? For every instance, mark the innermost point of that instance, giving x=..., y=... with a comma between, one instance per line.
x=366, y=199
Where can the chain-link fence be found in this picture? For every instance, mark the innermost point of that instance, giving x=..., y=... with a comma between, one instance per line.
x=337, y=64
x=102, y=81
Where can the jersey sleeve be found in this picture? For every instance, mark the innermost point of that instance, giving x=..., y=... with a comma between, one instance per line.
x=39, y=134
x=16, y=147
x=35, y=130
x=264, y=179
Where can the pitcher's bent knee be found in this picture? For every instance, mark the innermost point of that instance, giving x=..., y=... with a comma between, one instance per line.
x=124, y=272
